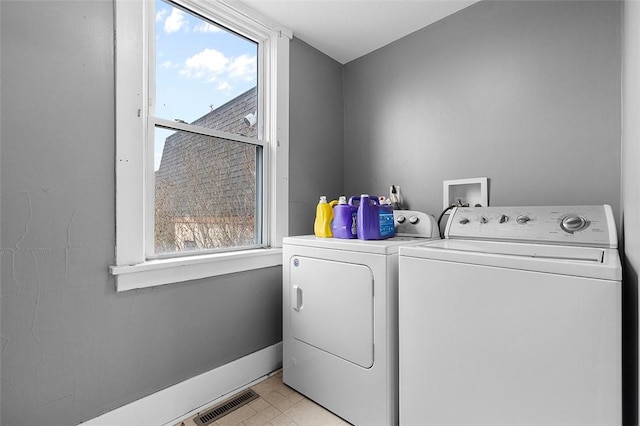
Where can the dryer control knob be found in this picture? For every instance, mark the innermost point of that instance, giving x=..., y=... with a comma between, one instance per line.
x=504, y=218
x=464, y=221
x=572, y=223
x=484, y=220
x=523, y=219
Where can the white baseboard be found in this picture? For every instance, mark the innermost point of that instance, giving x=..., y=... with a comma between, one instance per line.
x=184, y=399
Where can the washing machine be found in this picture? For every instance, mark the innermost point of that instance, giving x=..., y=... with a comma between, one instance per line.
x=340, y=319
x=514, y=318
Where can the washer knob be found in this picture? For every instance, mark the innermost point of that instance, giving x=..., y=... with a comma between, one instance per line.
x=572, y=223
x=464, y=221
x=414, y=220
x=523, y=219
x=504, y=218
x=401, y=219
x=483, y=219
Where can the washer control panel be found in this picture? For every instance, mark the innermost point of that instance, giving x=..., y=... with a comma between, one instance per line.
x=572, y=225
x=410, y=223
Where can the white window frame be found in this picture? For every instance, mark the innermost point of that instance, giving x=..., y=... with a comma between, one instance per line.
x=133, y=147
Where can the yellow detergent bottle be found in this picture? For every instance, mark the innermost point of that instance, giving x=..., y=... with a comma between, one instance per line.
x=324, y=215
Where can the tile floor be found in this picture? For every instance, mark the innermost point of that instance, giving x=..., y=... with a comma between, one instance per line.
x=278, y=405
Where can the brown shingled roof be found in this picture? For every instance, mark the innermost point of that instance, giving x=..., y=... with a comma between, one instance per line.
x=211, y=181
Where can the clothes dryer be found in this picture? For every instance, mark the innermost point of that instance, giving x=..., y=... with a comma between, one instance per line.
x=514, y=318
x=340, y=319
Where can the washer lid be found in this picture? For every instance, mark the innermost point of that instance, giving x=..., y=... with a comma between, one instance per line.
x=600, y=263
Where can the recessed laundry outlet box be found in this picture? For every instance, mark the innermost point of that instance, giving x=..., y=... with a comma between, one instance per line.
x=473, y=192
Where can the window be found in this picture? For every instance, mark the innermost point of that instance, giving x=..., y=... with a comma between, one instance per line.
x=207, y=188
x=201, y=141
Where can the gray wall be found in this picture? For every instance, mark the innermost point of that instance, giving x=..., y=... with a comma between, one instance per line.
x=316, y=134
x=73, y=348
x=524, y=93
x=631, y=204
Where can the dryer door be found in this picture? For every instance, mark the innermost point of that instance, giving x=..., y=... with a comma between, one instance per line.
x=332, y=307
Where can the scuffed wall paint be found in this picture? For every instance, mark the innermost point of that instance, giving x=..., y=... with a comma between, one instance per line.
x=73, y=348
x=49, y=293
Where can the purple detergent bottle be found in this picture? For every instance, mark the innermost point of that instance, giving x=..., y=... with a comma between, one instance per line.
x=344, y=219
x=375, y=221
x=368, y=221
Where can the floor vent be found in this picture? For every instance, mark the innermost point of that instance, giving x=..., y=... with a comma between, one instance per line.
x=225, y=408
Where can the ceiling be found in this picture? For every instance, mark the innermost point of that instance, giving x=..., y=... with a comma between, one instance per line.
x=348, y=29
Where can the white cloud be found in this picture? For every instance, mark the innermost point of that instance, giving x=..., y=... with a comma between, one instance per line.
x=212, y=66
x=243, y=67
x=175, y=21
x=224, y=87
x=161, y=14
x=206, y=27
x=207, y=64
x=168, y=65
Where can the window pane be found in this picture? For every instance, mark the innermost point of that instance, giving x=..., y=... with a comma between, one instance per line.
x=205, y=74
x=205, y=193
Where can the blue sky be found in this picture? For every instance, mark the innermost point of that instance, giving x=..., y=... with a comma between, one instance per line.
x=198, y=67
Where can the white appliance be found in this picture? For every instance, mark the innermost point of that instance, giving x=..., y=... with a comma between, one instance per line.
x=513, y=319
x=340, y=319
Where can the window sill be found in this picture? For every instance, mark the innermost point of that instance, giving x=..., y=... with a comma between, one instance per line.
x=167, y=271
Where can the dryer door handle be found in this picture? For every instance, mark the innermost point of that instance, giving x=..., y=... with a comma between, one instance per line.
x=298, y=298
